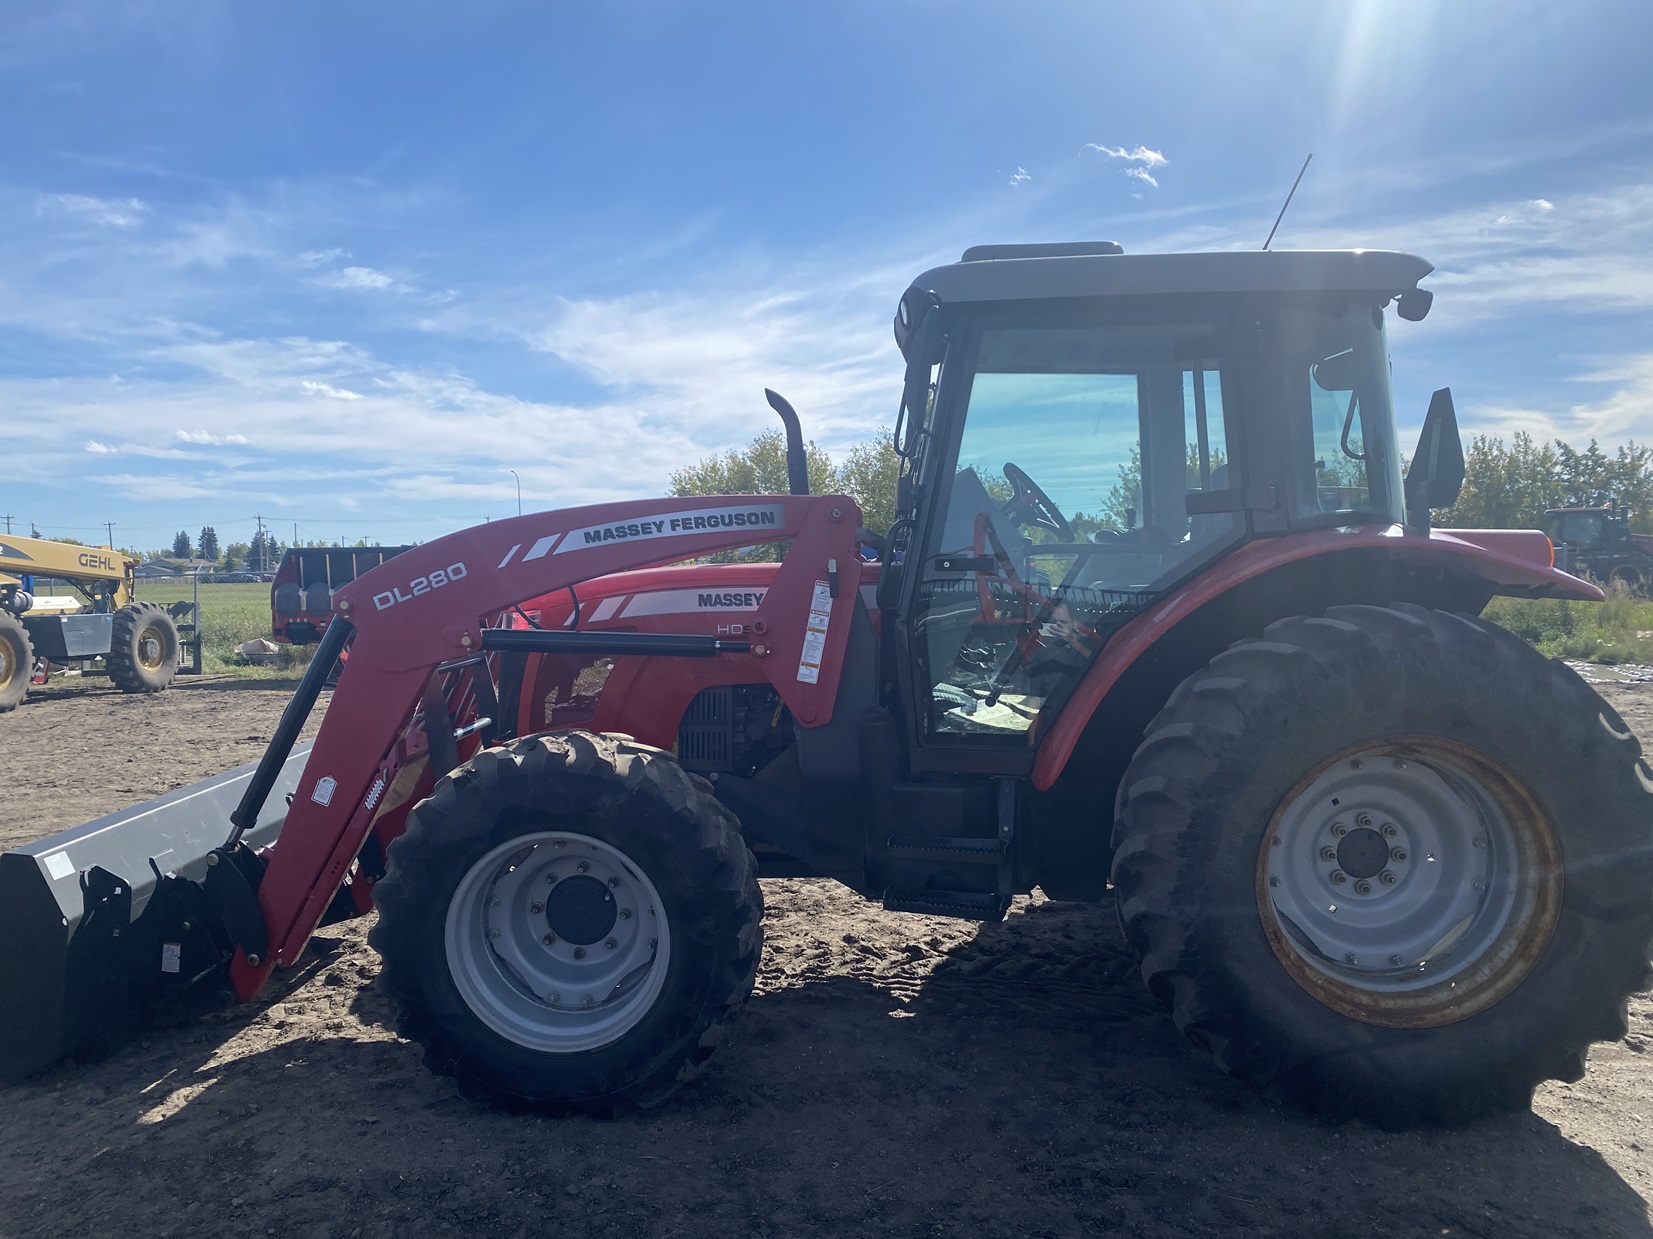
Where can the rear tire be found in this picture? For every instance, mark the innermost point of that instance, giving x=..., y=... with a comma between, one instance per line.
x=569, y=924
x=1531, y=890
x=143, y=649
x=16, y=661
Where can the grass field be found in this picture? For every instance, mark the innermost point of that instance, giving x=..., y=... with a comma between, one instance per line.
x=1619, y=630
x=230, y=614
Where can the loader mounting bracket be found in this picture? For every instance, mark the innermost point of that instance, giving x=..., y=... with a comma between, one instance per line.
x=232, y=880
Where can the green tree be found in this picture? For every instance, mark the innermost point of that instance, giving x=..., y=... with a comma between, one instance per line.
x=867, y=475
x=180, y=546
x=1505, y=487
x=235, y=554
x=208, y=543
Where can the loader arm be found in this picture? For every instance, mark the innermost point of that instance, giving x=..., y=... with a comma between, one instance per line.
x=432, y=606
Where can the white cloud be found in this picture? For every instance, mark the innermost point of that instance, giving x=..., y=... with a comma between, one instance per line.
x=327, y=389
x=207, y=438
x=364, y=278
x=100, y=449
x=320, y=258
x=1020, y=175
x=1143, y=175
x=110, y=212
x=1137, y=154
x=1543, y=204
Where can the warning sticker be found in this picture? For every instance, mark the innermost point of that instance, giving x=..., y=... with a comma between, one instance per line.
x=59, y=865
x=323, y=791
x=815, y=634
x=172, y=956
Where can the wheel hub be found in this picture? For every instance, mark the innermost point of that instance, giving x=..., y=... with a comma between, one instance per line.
x=1363, y=853
x=581, y=910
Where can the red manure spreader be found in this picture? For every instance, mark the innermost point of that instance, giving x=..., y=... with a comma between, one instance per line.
x=1159, y=621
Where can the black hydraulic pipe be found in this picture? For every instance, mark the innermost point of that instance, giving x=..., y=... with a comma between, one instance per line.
x=797, y=464
x=292, y=722
x=553, y=641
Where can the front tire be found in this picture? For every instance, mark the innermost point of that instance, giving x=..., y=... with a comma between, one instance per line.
x=1479, y=919
x=16, y=661
x=569, y=924
x=143, y=648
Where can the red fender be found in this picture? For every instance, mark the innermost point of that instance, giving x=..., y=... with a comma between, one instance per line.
x=1510, y=560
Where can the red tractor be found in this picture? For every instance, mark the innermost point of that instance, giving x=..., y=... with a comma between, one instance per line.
x=1159, y=620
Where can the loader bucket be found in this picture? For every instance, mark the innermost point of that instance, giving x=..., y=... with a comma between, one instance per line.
x=109, y=924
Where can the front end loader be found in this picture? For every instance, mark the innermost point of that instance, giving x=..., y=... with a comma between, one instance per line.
x=1159, y=621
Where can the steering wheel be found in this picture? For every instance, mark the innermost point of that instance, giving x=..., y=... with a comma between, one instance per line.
x=1027, y=497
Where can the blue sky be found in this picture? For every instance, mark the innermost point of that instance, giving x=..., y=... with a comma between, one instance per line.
x=345, y=265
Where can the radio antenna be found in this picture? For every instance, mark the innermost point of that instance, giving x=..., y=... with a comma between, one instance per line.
x=1287, y=202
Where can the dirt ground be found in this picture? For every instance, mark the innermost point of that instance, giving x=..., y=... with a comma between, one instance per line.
x=892, y=1075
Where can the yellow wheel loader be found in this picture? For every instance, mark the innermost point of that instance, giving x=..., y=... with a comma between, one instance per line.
x=138, y=641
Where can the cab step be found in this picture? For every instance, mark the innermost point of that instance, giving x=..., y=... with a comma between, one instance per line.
x=968, y=905
x=931, y=847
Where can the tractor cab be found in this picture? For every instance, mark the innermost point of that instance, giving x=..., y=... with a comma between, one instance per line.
x=1085, y=430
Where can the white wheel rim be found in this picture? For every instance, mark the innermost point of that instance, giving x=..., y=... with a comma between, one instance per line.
x=1409, y=884
x=558, y=942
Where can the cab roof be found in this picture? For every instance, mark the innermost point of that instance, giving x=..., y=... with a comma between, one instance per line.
x=1102, y=269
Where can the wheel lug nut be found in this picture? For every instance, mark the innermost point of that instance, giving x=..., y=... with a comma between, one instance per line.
x=1394, y=959
x=1387, y=878
x=614, y=884
x=560, y=843
x=1389, y=831
x=1339, y=830
x=493, y=933
x=625, y=914
x=549, y=939
x=587, y=1000
x=553, y=996
x=1397, y=853
x=1400, y=763
x=1363, y=820
x=1274, y=881
x=582, y=867
x=1339, y=877
x=494, y=902
x=1351, y=958
x=1479, y=885
x=1328, y=853
x=550, y=879
x=579, y=952
x=1479, y=841
x=1357, y=764
x=1363, y=887
x=611, y=944
x=536, y=908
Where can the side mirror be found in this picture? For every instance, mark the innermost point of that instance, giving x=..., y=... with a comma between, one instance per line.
x=1413, y=304
x=1437, y=472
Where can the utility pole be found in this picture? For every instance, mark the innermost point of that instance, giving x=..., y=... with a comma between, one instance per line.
x=260, y=541
x=110, y=526
x=8, y=522
x=513, y=473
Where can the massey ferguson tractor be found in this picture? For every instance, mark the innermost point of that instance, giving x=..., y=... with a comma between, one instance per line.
x=1159, y=621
